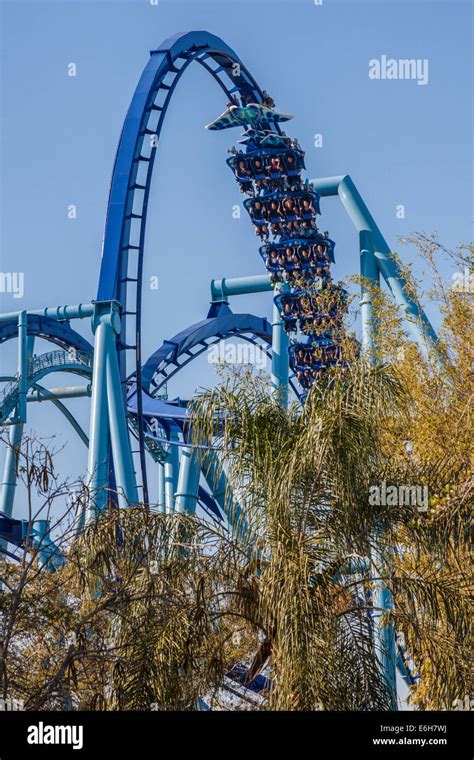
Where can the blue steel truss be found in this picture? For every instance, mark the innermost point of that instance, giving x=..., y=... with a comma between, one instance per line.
x=52, y=330
x=77, y=362
x=125, y=226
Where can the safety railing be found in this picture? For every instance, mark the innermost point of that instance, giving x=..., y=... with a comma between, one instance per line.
x=40, y=364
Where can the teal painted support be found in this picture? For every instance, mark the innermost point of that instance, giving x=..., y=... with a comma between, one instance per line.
x=188, y=481
x=171, y=470
x=370, y=272
x=30, y=345
x=161, y=503
x=38, y=394
x=40, y=531
x=108, y=415
x=97, y=467
x=404, y=671
x=22, y=365
x=376, y=257
x=385, y=644
x=7, y=492
x=239, y=286
x=61, y=313
x=8, y=485
x=119, y=435
x=363, y=221
x=63, y=409
x=280, y=363
x=327, y=186
x=49, y=554
x=217, y=481
x=222, y=289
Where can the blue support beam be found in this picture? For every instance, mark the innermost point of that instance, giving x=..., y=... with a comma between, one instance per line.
x=364, y=222
x=222, y=289
x=161, y=502
x=108, y=416
x=97, y=467
x=171, y=470
x=222, y=492
x=376, y=258
x=10, y=467
x=119, y=435
x=22, y=366
x=36, y=534
x=280, y=343
x=8, y=486
x=239, y=286
x=384, y=628
x=60, y=313
x=186, y=496
x=48, y=553
x=39, y=394
x=371, y=274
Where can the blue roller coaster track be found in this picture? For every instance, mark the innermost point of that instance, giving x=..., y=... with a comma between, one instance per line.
x=128, y=397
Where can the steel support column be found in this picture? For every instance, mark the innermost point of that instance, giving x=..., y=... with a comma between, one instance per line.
x=280, y=365
x=363, y=221
x=188, y=481
x=108, y=421
x=385, y=643
x=371, y=279
x=218, y=484
x=171, y=470
x=7, y=491
x=9, y=480
x=239, y=286
x=22, y=366
x=97, y=467
x=375, y=258
x=119, y=436
x=161, y=503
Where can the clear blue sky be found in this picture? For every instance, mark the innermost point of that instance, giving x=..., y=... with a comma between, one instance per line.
x=402, y=143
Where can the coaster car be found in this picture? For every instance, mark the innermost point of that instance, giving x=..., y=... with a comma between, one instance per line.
x=258, y=161
x=255, y=139
x=301, y=245
x=313, y=355
x=253, y=115
x=287, y=206
x=288, y=307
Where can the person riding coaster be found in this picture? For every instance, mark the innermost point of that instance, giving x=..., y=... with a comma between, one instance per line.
x=285, y=208
x=289, y=318
x=256, y=209
x=261, y=229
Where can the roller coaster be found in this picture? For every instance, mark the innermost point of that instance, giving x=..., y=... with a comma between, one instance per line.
x=135, y=424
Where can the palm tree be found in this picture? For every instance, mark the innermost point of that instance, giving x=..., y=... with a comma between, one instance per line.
x=314, y=543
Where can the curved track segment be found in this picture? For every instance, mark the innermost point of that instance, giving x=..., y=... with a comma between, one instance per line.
x=175, y=353
x=124, y=238
x=53, y=330
x=79, y=363
x=128, y=197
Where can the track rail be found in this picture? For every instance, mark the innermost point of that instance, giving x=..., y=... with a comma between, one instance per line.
x=125, y=227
